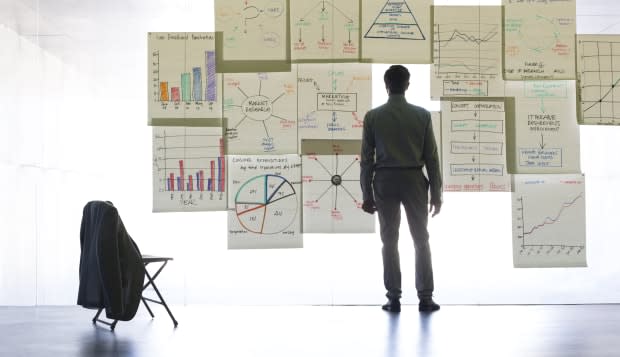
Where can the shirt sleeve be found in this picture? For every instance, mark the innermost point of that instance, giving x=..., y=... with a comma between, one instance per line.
x=367, y=162
x=431, y=160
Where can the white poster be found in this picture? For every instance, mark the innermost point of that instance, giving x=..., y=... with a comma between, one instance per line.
x=182, y=79
x=547, y=133
x=253, y=30
x=598, y=70
x=331, y=188
x=333, y=100
x=189, y=169
x=264, y=202
x=396, y=31
x=467, y=53
x=474, y=146
x=261, y=113
x=549, y=221
x=325, y=30
x=539, y=39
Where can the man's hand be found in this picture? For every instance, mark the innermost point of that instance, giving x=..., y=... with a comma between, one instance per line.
x=369, y=206
x=435, y=209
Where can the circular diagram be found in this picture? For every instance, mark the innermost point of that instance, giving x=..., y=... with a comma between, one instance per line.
x=266, y=204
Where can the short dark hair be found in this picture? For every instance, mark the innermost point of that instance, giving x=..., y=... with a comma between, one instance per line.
x=396, y=79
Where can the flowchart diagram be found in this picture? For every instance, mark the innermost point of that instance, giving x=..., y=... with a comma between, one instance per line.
x=326, y=31
x=474, y=147
x=546, y=132
x=333, y=99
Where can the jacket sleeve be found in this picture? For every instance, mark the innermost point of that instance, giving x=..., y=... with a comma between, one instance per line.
x=431, y=160
x=109, y=263
x=367, y=161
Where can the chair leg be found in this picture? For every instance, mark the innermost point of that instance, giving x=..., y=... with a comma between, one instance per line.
x=161, y=301
x=97, y=319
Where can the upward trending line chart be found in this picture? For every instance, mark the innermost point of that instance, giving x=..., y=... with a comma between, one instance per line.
x=549, y=221
x=598, y=69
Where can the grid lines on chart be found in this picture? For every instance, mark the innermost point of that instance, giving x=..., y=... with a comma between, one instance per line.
x=600, y=77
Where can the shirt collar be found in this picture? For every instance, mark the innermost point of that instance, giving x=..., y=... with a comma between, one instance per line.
x=397, y=98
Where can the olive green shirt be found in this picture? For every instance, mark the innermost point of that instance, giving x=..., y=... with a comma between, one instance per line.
x=399, y=135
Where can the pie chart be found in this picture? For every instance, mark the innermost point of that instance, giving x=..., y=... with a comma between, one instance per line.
x=266, y=204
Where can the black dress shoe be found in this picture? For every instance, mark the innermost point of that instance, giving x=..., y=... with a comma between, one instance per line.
x=392, y=305
x=428, y=305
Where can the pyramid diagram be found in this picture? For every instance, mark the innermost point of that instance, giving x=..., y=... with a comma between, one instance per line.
x=395, y=21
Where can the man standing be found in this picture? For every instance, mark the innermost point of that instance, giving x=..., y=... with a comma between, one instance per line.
x=397, y=142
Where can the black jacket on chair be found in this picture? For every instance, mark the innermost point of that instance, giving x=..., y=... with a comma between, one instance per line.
x=111, y=268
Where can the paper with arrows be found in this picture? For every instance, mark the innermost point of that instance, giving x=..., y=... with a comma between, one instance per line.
x=545, y=138
x=474, y=146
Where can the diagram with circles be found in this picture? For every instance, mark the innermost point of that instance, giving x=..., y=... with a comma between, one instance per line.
x=252, y=29
x=260, y=111
x=264, y=202
x=539, y=40
x=332, y=195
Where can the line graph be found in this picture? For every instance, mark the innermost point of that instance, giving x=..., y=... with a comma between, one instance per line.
x=466, y=49
x=467, y=52
x=549, y=220
x=599, y=77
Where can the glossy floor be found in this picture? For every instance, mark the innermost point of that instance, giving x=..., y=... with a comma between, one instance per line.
x=291, y=331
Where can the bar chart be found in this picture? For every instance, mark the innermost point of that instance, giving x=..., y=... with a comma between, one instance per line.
x=189, y=169
x=183, y=80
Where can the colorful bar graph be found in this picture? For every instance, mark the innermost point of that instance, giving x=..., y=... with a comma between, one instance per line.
x=176, y=94
x=211, y=92
x=216, y=182
x=163, y=91
x=186, y=87
x=197, y=94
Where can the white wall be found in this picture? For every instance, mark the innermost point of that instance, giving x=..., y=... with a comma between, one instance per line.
x=74, y=130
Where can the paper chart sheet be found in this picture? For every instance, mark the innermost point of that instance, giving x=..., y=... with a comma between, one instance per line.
x=549, y=221
x=189, y=169
x=598, y=70
x=253, y=30
x=396, y=31
x=325, y=31
x=260, y=112
x=467, y=52
x=333, y=99
x=331, y=188
x=264, y=202
x=183, y=82
x=546, y=135
x=539, y=39
x=474, y=147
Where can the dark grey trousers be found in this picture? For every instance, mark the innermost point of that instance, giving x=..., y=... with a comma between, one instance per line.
x=409, y=187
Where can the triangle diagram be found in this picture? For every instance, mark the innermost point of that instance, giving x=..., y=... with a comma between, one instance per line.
x=395, y=21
